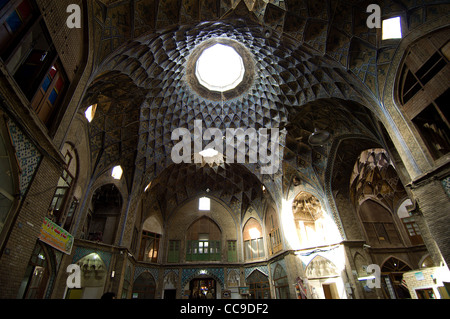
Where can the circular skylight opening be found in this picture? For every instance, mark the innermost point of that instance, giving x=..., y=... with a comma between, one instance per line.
x=220, y=68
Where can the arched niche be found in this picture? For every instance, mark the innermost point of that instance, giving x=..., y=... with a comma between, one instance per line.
x=379, y=225
x=203, y=240
x=253, y=238
x=259, y=287
x=392, y=271
x=204, y=228
x=170, y=285
x=150, y=239
x=93, y=278
x=144, y=286
x=313, y=225
x=281, y=283
x=324, y=279
x=321, y=267
x=184, y=216
x=106, y=209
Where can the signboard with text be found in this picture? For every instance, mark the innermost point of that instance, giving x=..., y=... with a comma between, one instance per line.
x=56, y=236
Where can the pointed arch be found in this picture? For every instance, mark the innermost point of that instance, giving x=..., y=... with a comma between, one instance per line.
x=144, y=286
x=320, y=267
x=394, y=264
x=258, y=283
x=360, y=262
x=215, y=273
x=252, y=236
x=281, y=283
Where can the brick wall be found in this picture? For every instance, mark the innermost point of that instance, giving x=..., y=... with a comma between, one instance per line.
x=67, y=41
x=426, y=278
x=434, y=204
x=26, y=229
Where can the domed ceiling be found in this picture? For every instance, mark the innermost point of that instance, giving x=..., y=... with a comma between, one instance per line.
x=316, y=64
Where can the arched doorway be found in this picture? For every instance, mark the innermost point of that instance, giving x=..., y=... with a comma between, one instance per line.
x=323, y=277
x=258, y=284
x=144, y=287
x=203, y=287
x=93, y=278
x=170, y=285
x=392, y=276
x=36, y=280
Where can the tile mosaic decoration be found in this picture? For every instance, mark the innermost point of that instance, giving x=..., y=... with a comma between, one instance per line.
x=190, y=273
x=167, y=271
x=27, y=155
x=139, y=270
x=446, y=184
x=263, y=269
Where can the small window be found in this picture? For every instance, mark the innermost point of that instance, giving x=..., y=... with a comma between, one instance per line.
x=90, y=113
x=204, y=204
x=117, y=172
x=392, y=28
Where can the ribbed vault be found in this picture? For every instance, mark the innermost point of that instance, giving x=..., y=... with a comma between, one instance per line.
x=317, y=66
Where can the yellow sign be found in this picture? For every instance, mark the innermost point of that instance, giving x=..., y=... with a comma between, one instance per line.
x=56, y=236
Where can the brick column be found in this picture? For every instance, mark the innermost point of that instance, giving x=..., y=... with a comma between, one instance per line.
x=434, y=203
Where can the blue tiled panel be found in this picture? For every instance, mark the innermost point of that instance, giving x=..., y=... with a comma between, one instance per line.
x=27, y=155
x=190, y=273
x=446, y=185
x=139, y=270
x=263, y=269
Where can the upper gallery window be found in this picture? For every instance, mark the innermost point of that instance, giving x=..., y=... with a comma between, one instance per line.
x=424, y=91
x=117, y=172
x=220, y=68
x=204, y=203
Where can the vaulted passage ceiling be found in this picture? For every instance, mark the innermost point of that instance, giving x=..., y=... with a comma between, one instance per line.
x=315, y=62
